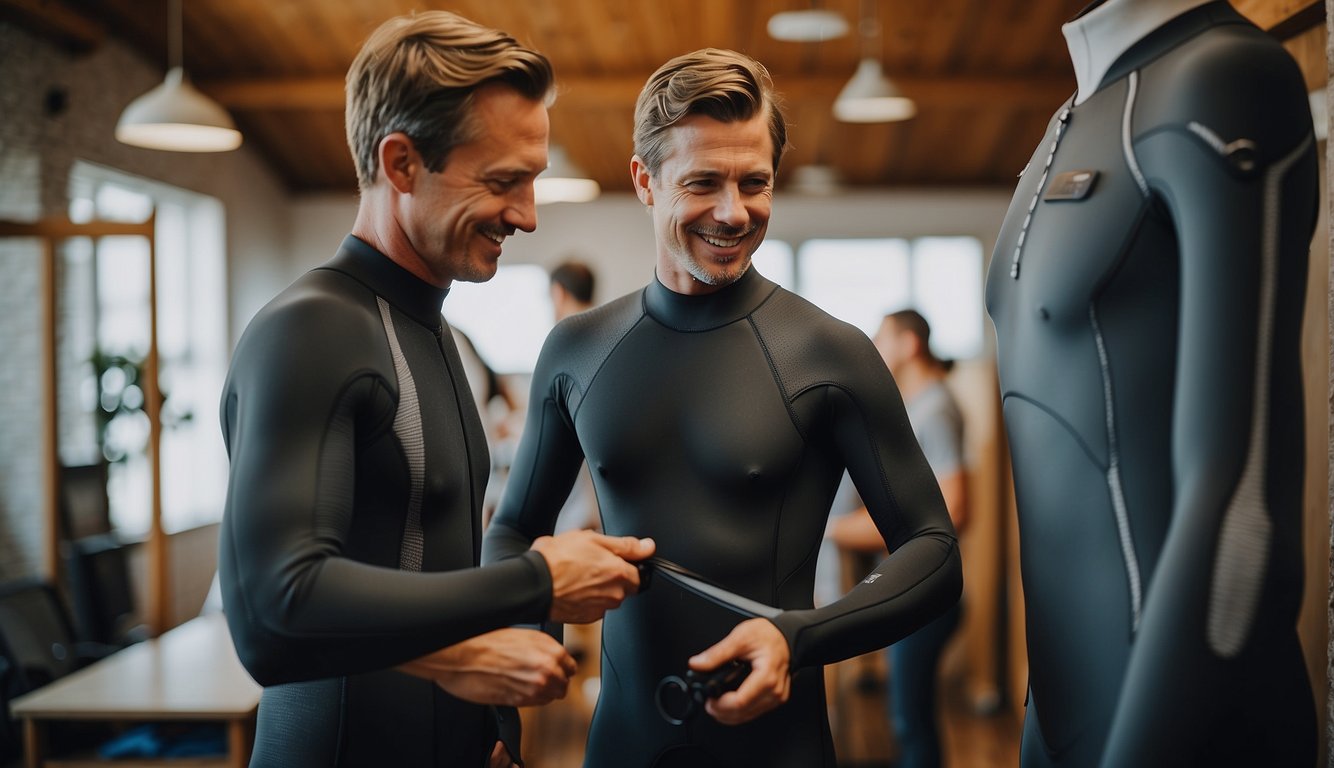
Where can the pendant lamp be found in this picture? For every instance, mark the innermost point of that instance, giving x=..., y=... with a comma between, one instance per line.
x=563, y=182
x=870, y=96
x=175, y=116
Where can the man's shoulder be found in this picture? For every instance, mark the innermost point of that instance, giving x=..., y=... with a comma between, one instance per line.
x=795, y=322
x=809, y=346
x=322, y=313
x=595, y=326
x=579, y=344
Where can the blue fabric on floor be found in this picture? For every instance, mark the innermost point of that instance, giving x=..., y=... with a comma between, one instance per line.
x=155, y=740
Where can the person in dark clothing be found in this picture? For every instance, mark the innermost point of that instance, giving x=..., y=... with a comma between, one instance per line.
x=717, y=413
x=1146, y=292
x=352, y=527
x=572, y=284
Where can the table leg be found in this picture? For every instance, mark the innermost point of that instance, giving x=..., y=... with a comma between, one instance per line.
x=238, y=743
x=34, y=742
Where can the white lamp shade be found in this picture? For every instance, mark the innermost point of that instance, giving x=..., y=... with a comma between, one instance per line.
x=562, y=182
x=176, y=117
x=810, y=26
x=869, y=97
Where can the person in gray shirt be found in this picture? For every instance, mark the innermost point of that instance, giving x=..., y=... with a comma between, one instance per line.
x=903, y=342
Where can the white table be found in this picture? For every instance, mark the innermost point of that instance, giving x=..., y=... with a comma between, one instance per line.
x=190, y=673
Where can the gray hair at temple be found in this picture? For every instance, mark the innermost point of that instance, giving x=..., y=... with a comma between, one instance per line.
x=418, y=73
x=724, y=85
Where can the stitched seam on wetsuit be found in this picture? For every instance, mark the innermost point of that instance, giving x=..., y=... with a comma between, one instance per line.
x=1128, y=554
x=1062, y=121
x=1243, y=537
x=1097, y=462
x=1127, y=144
x=602, y=364
x=875, y=450
x=408, y=429
x=788, y=398
x=779, y=581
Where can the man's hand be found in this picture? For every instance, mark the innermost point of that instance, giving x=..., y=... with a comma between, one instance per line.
x=590, y=574
x=508, y=667
x=759, y=642
x=500, y=757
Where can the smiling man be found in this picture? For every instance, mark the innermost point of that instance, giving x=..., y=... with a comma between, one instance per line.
x=352, y=528
x=717, y=413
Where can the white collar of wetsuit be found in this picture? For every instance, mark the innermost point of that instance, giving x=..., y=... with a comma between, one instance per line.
x=1098, y=38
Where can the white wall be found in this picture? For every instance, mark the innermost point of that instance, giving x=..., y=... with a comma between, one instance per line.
x=614, y=234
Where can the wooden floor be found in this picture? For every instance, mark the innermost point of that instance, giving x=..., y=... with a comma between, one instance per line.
x=554, y=735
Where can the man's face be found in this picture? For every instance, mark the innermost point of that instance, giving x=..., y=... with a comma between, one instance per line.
x=710, y=200
x=896, y=346
x=457, y=218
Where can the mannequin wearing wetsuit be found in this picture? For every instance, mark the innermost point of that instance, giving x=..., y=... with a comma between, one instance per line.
x=358, y=460
x=720, y=425
x=1147, y=295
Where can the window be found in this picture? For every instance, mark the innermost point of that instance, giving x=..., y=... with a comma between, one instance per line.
x=773, y=259
x=860, y=281
x=192, y=346
x=507, y=318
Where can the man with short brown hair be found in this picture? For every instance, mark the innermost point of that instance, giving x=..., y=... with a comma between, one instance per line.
x=717, y=412
x=352, y=528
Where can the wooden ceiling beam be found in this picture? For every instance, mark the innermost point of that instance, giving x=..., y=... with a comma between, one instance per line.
x=55, y=21
x=1273, y=15
x=326, y=93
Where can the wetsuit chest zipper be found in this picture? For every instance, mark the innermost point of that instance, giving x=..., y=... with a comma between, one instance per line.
x=1062, y=122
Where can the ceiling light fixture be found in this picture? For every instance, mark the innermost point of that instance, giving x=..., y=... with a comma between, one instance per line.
x=563, y=182
x=870, y=97
x=175, y=116
x=810, y=26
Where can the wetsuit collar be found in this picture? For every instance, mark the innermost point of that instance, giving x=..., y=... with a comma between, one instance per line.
x=1170, y=35
x=408, y=293
x=706, y=312
x=1098, y=37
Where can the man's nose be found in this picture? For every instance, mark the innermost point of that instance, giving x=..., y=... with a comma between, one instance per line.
x=730, y=209
x=522, y=213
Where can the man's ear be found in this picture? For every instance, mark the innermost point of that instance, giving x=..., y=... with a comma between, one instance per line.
x=640, y=176
x=399, y=161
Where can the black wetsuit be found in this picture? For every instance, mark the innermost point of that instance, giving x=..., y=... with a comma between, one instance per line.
x=358, y=459
x=1148, y=320
x=720, y=425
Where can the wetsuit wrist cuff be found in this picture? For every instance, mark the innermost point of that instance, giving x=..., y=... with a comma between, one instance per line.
x=790, y=625
x=542, y=572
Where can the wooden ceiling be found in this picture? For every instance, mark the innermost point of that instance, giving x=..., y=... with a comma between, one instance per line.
x=986, y=74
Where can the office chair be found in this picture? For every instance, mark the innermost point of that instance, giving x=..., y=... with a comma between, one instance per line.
x=95, y=559
x=37, y=647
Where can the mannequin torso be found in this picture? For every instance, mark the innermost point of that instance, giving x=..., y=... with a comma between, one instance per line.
x=1151, y=387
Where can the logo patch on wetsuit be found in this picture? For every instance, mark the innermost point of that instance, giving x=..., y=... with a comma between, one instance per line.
x=1071, y=185
x=871, y=579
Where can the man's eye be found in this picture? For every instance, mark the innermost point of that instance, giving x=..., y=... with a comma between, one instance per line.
x=699, y=184
x=502, y=185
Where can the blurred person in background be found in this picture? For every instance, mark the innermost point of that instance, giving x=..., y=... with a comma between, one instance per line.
x=903, y=340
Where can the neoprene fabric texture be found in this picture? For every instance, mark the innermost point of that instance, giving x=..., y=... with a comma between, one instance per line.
x=329, y=470
x=720, y=426
x=1150, y=373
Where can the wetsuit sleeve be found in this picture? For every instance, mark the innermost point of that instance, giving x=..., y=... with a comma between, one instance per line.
x=867, y=425
x=546, y=464
x=1244, y=215
x=302, y=390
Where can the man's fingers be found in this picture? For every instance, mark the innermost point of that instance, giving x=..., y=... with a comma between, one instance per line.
x=568, y=664
x=626, y=547
x=724, y=650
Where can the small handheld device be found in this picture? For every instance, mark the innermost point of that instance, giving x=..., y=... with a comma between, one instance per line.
x=680, y=699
